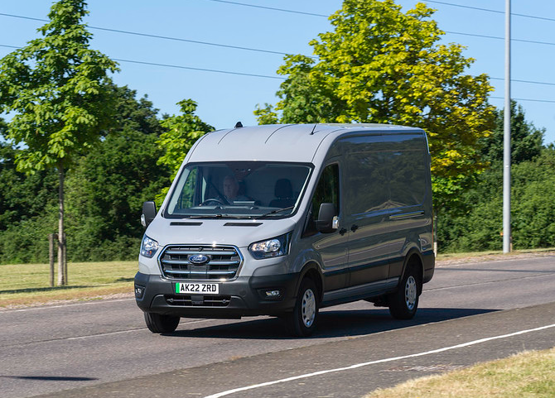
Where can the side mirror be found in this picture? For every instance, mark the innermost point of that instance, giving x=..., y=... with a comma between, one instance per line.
x=327, y=219
x=149, y=212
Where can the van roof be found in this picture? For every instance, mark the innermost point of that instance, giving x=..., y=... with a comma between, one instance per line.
x=280, y=142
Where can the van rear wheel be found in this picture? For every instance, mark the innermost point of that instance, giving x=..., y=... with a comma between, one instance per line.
x=302, y=321
x=157, y=323
x=404, y=302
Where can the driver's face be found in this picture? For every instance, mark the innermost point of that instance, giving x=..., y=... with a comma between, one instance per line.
x=230, y=188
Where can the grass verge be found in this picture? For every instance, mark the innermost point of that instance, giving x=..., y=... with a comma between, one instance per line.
x=29, y=284
x=529, y=374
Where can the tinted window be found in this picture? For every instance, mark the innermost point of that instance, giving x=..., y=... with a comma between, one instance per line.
x=327, y=190
x=382, y=175
x=407, y=177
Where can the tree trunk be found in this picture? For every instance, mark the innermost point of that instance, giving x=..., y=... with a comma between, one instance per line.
x=51, y=238
x=62, y=280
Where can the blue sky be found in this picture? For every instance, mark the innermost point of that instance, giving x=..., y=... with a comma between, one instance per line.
x=223, y=99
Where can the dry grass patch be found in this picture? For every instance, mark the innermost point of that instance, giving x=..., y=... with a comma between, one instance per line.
x=446, y=259
x=530, y=374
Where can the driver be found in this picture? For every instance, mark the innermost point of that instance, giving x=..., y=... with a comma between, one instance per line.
x=231, y=190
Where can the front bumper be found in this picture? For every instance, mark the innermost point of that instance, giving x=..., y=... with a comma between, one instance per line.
x=244, y=296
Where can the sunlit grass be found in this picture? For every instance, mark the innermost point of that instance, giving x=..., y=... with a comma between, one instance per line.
x=26, y=284
x=530, y=374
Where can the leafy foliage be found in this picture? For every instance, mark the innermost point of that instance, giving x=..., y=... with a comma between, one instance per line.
x=61, y=97
x=135, y=115
x=476, y=222
x=526, y=140
x=266, y=115
x=380, y=65
x=533, y=214
x=106, y=192
x=23, y=197
x=182, y=131
x=59, y=90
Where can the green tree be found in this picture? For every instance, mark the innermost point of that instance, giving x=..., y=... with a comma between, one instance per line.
x=266, y=115
x=60, y=93
x=22, y=197
x=532, y=214
x=380, y=65
x=181, y=132
x=106, y=190
x=526, y=139
x=24, y=202
x=477, y=223
x=135, y=115
x=107, y=187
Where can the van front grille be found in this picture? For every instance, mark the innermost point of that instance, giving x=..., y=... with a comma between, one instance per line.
x=200, y=262
x=205, y=301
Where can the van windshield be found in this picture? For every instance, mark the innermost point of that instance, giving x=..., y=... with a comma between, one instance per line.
x=238, y=190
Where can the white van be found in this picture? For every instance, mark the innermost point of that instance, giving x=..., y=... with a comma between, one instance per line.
x=283, y=220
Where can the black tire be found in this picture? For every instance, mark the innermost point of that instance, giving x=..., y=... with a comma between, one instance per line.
x=302, y=321
x=157, y=323
x=403, y=304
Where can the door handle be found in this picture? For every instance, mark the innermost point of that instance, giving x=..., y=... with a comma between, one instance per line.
x=354, y=227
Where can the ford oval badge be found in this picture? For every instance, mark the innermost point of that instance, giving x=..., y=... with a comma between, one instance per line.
x=199, y=259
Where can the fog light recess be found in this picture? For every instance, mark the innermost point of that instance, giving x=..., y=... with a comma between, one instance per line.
x=139, y=291
x=273, y=294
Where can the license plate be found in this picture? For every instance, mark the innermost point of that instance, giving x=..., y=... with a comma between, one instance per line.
x=197, y=288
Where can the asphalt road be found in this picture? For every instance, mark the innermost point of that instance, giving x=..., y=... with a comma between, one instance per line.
x=469, y=313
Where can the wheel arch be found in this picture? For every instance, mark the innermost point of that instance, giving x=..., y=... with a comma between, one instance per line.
x=414, y=258
x=313, y=271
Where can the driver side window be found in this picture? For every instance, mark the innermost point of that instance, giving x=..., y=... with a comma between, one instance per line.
x=327, y=191
x=186, y=197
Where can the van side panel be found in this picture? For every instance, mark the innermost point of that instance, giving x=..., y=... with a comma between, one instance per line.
x=411, y=223
x=386, y=190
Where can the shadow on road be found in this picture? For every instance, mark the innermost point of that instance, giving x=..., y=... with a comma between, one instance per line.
x=339, y=323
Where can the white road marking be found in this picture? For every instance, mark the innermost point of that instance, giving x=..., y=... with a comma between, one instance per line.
x=360, y=365
x=102, y=334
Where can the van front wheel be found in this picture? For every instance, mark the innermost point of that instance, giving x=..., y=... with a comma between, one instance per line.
x=404, y=302
x=302, y=321
x=157, y=323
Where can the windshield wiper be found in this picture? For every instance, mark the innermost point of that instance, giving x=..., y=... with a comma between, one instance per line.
x=206, y=216
x=219, y=215
x=278, y=211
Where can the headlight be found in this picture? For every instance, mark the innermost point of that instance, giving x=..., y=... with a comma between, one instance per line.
x=149, y=247
x=274, y=247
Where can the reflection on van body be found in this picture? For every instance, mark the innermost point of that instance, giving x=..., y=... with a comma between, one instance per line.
x=286, y=219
